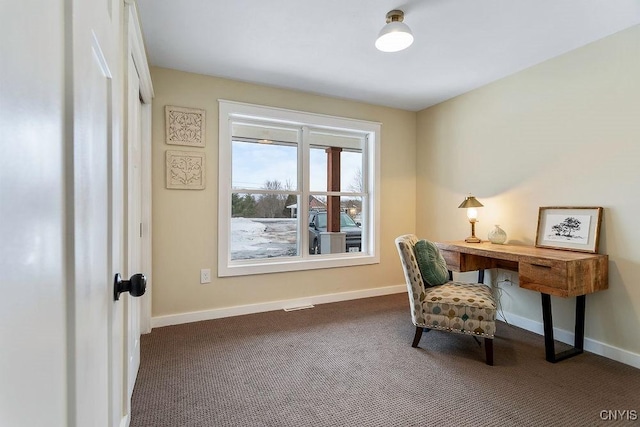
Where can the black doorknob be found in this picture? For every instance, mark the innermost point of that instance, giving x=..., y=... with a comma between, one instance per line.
x=136, y=285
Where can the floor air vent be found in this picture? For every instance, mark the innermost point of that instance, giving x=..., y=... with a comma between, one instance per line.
x=301, y=307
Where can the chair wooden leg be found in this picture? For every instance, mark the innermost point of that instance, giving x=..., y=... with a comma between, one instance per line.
x=488, y=348
x=416, y=337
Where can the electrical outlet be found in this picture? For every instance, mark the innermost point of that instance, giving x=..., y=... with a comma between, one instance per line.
x=205, y=275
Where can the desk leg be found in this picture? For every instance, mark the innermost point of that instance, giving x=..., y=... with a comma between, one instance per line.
x=549, y=345
x=480, y=275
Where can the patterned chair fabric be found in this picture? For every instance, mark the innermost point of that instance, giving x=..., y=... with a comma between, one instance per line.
x=465, y=308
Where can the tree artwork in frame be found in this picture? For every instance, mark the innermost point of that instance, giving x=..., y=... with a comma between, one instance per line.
x=569, y=228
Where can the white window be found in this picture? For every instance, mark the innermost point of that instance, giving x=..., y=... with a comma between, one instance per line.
x=276, y=190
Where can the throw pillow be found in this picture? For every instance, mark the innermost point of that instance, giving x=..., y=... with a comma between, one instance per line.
x=432, y=265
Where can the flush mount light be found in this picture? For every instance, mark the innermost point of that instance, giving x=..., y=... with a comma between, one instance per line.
x=396, y=35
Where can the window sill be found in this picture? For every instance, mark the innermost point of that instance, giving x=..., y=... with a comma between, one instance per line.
x=249, y=267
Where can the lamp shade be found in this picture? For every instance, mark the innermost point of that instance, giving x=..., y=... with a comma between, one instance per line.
x=394, y=36
x=471, y=202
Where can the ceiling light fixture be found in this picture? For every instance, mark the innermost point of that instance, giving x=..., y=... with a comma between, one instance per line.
x=396, y=35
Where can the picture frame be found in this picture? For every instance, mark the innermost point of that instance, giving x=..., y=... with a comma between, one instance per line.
x=569, y=228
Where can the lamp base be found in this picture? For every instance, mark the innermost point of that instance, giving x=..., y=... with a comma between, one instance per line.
x=473, y=238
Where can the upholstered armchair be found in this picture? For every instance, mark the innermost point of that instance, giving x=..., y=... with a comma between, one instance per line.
x=464, y=308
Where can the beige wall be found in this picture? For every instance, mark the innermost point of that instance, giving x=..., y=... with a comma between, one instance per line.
x=185, y=221
x=563, y=133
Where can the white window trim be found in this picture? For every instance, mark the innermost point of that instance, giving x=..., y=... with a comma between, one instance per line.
x=229, y=110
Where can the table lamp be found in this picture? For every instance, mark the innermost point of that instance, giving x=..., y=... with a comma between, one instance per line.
x=471, y=203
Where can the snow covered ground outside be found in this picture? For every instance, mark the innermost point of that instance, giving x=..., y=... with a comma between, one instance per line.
x=263, y=237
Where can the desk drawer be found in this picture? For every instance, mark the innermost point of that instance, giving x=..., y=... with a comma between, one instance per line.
x=546, y=276
x=452, y=259
x=460, y=262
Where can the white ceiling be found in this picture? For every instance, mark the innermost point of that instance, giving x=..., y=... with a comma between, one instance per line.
x=327, y=46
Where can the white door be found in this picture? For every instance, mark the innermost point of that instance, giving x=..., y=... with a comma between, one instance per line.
x=137, y=206
x=93, y=237
x=134, y=223
x=61, y=213
x=34, y=141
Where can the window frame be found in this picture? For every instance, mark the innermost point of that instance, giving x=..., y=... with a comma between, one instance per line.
x=308, y=122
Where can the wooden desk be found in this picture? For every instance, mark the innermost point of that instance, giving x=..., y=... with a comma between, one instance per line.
x=548, y=271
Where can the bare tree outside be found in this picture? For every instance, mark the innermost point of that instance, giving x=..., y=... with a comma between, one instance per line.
x=357, y=183
x=272, y=205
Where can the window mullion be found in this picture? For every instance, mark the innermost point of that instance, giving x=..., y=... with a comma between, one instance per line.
x=264, y=191
x=304, y=184
x=337, y=193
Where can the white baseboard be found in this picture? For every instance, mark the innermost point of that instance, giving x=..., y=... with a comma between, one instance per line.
x=590, y=345
x=124, y=422
x=196, y=316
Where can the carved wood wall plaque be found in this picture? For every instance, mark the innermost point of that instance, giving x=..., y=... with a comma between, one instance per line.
x=185, y=170
x=185, y=126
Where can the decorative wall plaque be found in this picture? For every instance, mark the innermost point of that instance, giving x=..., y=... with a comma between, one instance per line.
x=185, y=170
x=184, y=126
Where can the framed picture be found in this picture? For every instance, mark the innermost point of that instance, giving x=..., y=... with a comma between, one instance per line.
x=569, y=228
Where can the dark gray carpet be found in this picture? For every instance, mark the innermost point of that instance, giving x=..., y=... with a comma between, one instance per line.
x=351, y=364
